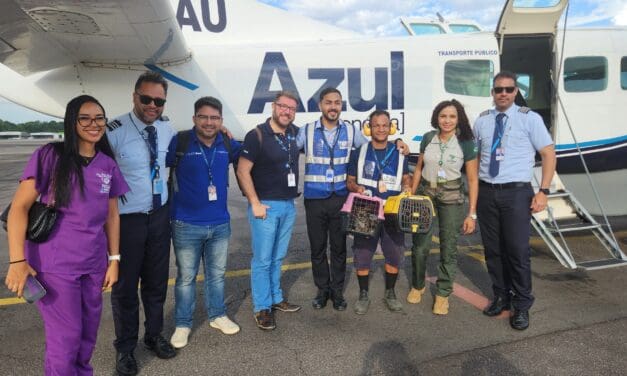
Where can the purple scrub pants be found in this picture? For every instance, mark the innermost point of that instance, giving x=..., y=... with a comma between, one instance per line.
x=71, y=313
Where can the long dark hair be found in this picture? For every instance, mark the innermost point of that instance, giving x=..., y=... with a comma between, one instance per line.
x=68, y=168
x=463, y=125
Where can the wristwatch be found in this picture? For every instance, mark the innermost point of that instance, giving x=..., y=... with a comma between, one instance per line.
x=473, y=216
x=114, y=257
x=545, y=191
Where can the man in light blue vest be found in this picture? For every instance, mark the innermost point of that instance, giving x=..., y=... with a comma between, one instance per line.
x=328, y=143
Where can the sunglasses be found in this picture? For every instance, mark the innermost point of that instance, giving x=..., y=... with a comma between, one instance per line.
x=145, y=99
x=508, y=89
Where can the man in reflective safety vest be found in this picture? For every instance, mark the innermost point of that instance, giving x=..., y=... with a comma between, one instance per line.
x=328, y=143
x=379, y=168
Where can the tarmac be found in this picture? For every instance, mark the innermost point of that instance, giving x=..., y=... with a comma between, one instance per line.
x=578, y=322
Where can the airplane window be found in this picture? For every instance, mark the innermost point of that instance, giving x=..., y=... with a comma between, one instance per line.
x=524, y=84
x=463, y=28
x=468, y=77
x=623, y=73
x=585, y=73
x=535, y=3
x=422, y=29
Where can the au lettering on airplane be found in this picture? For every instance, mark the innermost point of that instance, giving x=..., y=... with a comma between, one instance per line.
x=243, y=52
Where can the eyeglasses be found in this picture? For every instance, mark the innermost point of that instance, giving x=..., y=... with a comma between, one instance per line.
x=284, y=107
x=508, y=89
x=207, y=118
x=86, y=121
x=146, y=99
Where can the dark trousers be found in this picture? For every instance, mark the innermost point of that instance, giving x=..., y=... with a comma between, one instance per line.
x=145, y=256
x=504, y=217
x=324, y=222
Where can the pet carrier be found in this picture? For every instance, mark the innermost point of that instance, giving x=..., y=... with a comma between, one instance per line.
x=408, y=213
x=362, y=215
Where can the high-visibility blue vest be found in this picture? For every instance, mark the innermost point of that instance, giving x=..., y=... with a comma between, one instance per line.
x=368, y=173
x=318, y=183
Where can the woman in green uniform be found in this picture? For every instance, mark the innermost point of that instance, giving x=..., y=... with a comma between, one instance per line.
x=443, y=154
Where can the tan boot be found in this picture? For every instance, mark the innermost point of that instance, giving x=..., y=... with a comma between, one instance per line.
x=440, y=306
x=415, y=295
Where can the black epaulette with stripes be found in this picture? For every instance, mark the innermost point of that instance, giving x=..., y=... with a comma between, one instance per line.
x=115, y=124
x=524, y=110
x=164, y=118
x=484, y=113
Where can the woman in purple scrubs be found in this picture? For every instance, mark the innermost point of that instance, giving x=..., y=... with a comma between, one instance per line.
x=80, y=258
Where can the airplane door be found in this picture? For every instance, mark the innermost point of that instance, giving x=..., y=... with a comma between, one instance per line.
x=526, y=34
x=519, y=18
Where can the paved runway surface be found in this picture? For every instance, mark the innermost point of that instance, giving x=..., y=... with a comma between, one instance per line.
x=578, y=323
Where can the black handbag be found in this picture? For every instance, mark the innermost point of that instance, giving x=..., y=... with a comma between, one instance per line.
x=41, y=220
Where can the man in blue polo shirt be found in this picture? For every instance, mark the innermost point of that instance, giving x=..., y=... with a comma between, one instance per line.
x=268, y=174
x=200, y=217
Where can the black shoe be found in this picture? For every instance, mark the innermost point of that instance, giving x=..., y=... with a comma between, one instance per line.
x=125, y=364
x=265, y=319
x=162, y=348
x=520, y=320
x=339, y=303
x=497, y=306
x=320, y=301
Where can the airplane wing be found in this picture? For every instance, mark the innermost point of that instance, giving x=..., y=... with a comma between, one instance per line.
x=39, y=35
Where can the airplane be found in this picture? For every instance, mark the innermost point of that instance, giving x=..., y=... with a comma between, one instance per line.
x=243, y=52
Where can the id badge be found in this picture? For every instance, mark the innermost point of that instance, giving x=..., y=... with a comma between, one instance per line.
x=329, y=175
x=500, y=154
x=213, y=193
x=291, y=180
x=382, y=187
x=441, y=175
x=157, y=186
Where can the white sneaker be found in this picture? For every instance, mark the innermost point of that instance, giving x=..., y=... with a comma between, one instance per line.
x=224, y=324
x=179, y=338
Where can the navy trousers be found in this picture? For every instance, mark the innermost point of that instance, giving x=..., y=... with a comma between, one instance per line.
x=504, y=218
x=145, y=259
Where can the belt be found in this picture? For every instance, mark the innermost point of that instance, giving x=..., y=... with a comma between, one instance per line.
x=149, y=212
x=516, y=184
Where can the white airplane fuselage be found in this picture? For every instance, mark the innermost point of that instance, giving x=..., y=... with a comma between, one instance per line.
x=407, y=76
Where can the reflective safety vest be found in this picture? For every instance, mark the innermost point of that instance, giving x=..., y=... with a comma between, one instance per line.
x=318, y=182
x=368, y=173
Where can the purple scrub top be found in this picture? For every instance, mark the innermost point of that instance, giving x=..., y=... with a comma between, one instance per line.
x=78, y=243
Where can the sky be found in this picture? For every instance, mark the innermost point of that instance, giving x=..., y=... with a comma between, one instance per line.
x=377, y=18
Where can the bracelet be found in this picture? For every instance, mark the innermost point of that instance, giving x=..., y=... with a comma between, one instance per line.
x=16, y=262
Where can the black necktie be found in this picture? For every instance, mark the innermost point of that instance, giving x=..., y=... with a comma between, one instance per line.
x=496, y=144
x=154, y=166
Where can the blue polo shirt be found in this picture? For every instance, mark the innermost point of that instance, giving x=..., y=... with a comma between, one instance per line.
x=191, y=203
x=273, y=160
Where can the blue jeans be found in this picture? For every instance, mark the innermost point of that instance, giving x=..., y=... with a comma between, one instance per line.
x=270, y=238
x=191, y=243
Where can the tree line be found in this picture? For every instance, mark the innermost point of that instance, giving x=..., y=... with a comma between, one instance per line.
x=31, y=126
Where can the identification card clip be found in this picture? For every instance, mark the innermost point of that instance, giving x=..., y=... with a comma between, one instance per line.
x=329, y=175
x=157, y=186
x=500, y=154
x=382, y=187
x=291, y=180
x=212, y=192
x=441, y=175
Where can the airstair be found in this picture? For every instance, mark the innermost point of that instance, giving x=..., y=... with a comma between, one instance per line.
x=565, y=215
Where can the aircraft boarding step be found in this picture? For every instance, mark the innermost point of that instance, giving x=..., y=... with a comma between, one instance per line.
x=565, y=214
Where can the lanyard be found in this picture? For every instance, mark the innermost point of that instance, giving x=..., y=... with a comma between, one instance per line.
x=442, y=149
x=326, y=143
x=153, y=152
x=204, y=157
x=287, y=149
x=497, y=143
x=386, y=160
